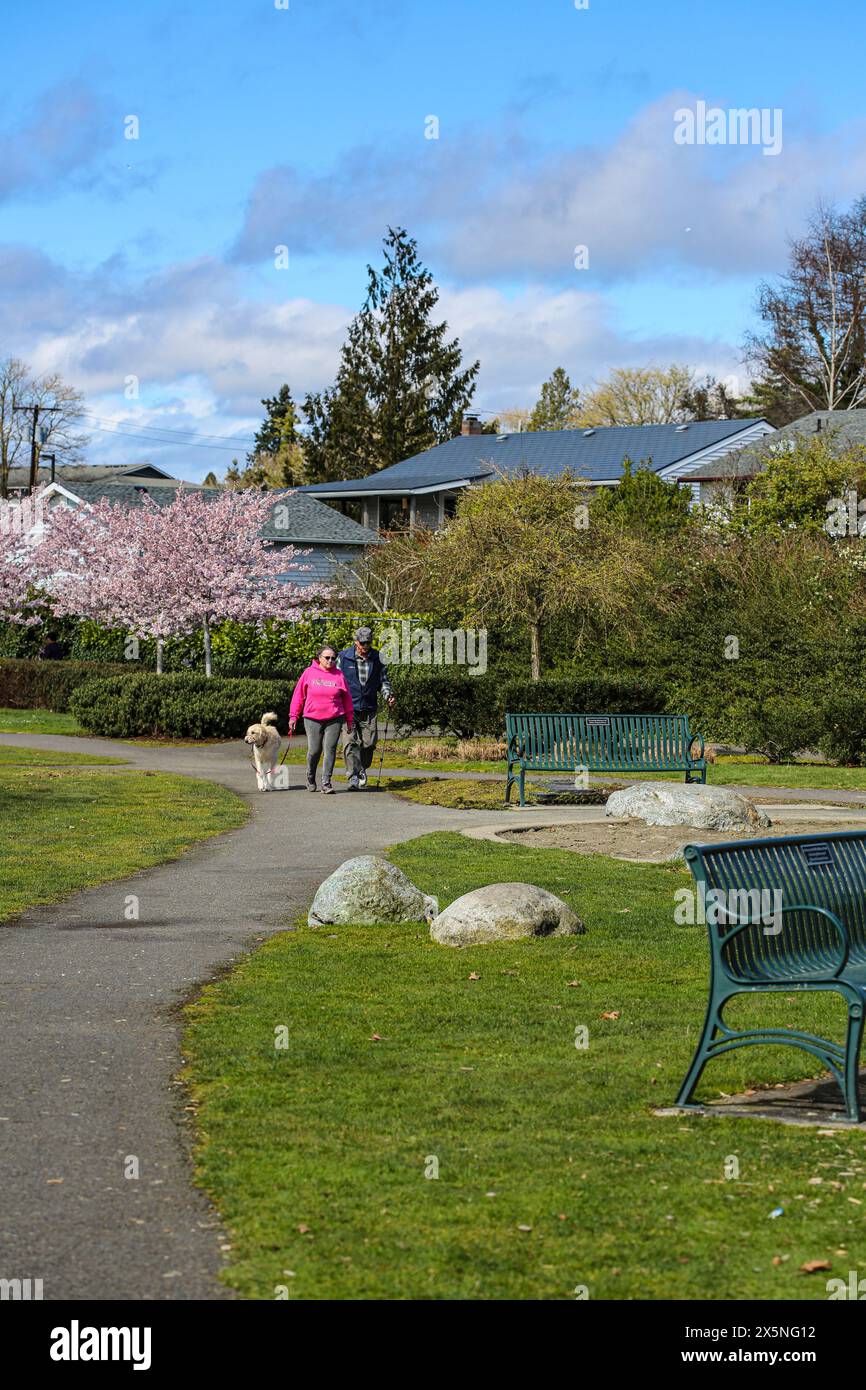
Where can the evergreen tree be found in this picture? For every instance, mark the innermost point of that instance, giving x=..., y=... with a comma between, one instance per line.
x=558, y=405
x=711, y=400
x=276, y=458
x=643, y=503
x=400, y=386
x=279, y=427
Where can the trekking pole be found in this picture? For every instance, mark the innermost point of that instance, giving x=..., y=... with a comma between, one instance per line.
x=384, y=741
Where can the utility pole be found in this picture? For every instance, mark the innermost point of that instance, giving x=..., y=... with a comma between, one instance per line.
x=34, y=455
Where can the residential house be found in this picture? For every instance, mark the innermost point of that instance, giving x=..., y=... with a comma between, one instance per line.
x=720, y=478
x=423, y=490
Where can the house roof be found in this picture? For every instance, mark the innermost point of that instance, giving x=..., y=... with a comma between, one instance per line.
x=846, y=426
x=93, y=473
x=598, y=455
x=308, y=521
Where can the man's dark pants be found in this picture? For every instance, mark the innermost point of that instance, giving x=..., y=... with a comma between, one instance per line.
x=360, y=745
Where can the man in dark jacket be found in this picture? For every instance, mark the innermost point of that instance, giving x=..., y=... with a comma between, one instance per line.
x=365, y=676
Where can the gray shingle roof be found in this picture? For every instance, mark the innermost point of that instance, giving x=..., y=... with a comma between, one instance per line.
x=308, y=521
x=846, y=427
x=597, y=455
x=19, y=476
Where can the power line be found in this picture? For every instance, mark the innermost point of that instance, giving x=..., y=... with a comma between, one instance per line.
x=104, y=420
x=186, y=443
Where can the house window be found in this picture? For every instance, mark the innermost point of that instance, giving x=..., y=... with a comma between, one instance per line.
x=450, y=505
x=394, y=513
x=352, y=507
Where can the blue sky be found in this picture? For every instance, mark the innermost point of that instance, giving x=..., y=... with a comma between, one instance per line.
x=262, y=126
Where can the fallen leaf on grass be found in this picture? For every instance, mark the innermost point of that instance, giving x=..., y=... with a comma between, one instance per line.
x=474, y=976
x=611, y=1013
x=813, y=1266
x=524, y=1228
x=303, y=1230
x=574, y=984
x=376, y=1037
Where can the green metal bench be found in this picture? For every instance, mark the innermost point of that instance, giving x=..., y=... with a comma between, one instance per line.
x=809, y=933
x=600, y=743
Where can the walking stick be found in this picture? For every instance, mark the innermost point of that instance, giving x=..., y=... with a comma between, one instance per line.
x=384, y=741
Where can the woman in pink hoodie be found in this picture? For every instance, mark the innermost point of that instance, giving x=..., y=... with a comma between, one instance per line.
x=322, y=696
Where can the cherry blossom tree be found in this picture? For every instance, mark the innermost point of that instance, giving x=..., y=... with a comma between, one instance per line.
x=19, y=600
x=162, y=571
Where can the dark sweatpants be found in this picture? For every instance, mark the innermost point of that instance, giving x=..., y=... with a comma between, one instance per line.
x=360, y=745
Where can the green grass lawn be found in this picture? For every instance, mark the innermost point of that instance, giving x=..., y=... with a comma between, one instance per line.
x=48, y=757
x=316, y=1154
x=37, y=721
x=64, y=830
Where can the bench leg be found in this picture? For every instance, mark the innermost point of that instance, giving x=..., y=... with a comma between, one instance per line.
x=852, y=1061
x=509, y=784
x=522, y=789
x=700, y=1059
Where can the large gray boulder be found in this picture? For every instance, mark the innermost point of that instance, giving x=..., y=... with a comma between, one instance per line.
x=504, y=912
x=367, y=891
x=702, y=808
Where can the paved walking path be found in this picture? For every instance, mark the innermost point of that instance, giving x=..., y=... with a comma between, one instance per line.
x=89, y=1027
x=89, y=1023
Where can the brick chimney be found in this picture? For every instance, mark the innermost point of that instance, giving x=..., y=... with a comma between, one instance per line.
x=471, y=425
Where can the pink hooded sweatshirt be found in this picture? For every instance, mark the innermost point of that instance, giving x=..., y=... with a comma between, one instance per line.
x=322, y=694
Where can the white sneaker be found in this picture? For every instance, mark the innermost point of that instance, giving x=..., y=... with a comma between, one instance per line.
x=362, y=778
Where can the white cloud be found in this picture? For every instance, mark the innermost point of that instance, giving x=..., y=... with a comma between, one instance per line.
x=490, y=205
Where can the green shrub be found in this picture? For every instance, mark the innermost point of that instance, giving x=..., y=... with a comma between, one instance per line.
x=273, y=645
x=468, y=706
x=178, y=706
x=30, y=684
x=843, y=733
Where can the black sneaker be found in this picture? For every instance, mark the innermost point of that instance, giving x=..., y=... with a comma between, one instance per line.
x=327, y=789
x=362, y=779
x=311, y=786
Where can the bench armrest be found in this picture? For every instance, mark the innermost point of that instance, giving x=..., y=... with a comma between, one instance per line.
x=699, y=739
x=800, y=907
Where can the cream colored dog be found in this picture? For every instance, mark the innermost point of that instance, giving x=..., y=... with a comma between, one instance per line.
x=266, y=749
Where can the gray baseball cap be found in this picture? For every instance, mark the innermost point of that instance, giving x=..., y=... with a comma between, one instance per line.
x=363, y=634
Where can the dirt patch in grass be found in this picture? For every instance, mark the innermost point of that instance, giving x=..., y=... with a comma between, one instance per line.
x=644, y=844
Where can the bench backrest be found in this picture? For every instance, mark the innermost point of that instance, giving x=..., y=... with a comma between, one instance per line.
x=826, y=871
x=613, y=742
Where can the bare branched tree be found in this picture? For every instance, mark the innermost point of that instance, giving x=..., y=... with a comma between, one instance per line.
x=61, y=410
x=814, y=345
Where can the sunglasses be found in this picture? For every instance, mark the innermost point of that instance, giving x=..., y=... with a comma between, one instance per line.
x=327, y=658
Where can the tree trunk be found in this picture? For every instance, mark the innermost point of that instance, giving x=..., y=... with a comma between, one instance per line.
x=535, y=648
x=208, y=666
x=160, y=642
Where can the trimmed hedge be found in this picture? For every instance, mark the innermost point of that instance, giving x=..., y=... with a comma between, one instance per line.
x=191, y=706
x=178, y=706
x=29, y=684
x=472, y=706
